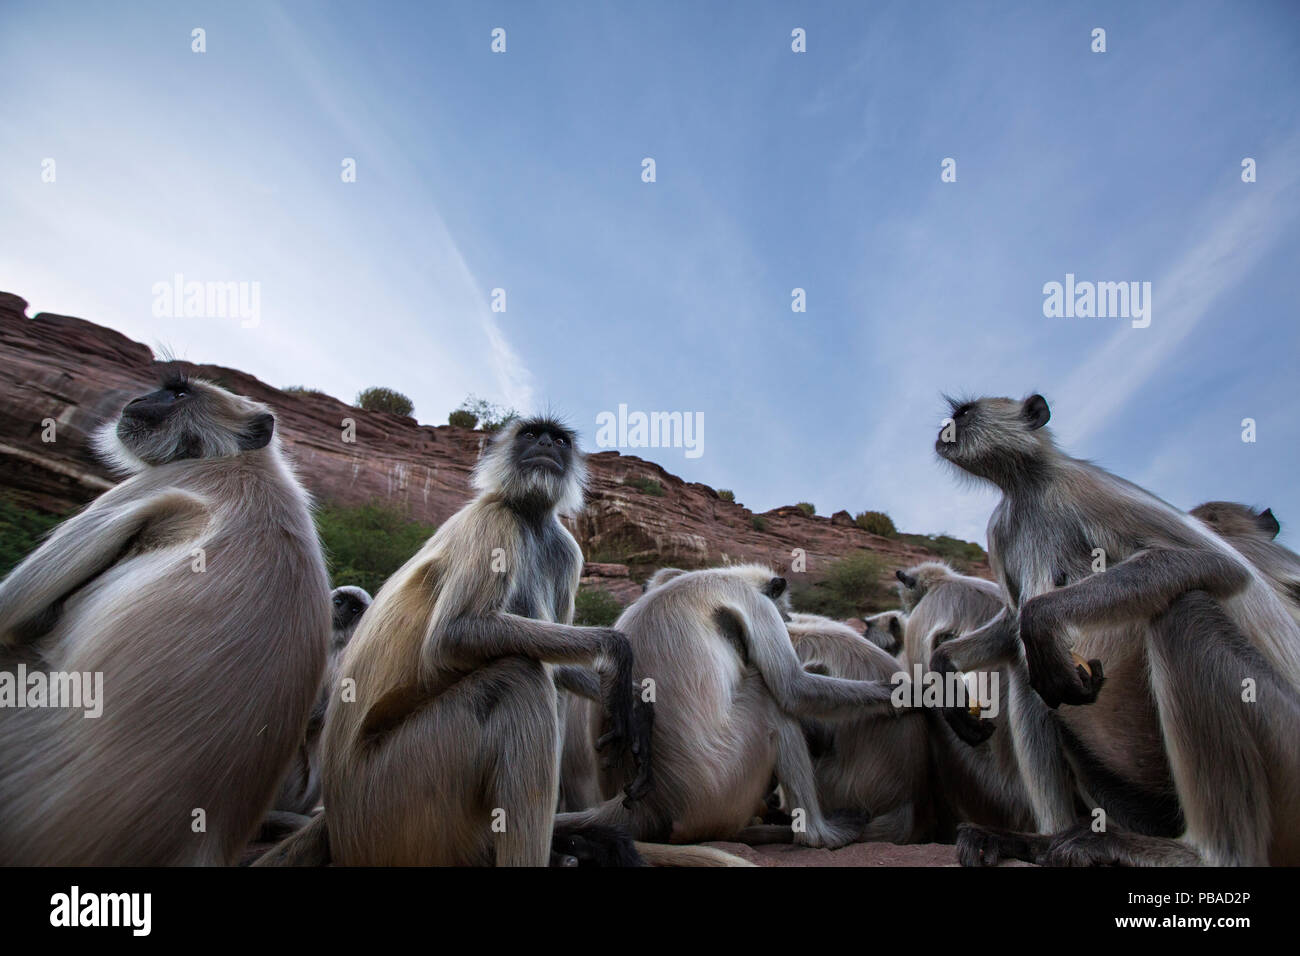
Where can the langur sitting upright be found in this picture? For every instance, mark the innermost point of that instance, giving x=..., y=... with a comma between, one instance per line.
x=301, y=790
x=1192, y=734
x=977, y=778
x=1252, y=533
x=449, y=753
x=196, y=588
x=729, y=693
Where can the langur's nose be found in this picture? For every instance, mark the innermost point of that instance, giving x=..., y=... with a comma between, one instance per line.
x=545, y=440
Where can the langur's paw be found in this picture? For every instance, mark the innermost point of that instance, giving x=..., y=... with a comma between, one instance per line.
x=978, y=846
x=970, y=728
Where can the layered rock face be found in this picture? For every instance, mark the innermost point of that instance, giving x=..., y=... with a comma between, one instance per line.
x=64, y=376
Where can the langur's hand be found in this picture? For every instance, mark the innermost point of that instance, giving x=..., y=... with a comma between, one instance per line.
x=616, y=681
x=969, y=727
x=643, y=720
x=1059, y=676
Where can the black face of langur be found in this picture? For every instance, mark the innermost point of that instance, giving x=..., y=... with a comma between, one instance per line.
x=347, y=605
x=535, y=466
x=997, y=439
x=186, y=419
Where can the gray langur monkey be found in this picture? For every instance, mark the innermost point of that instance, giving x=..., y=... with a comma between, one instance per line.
x=729, y=692
x=977, y=775
x=1189, y=745
x=1252, y=533
x=450, y=753
x=886, y=630
x=870, y=764
x=300, y=792
x=196, y=587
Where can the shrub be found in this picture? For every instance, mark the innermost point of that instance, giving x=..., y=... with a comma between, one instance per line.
x=759, y=522
x=851, y=587
x=647, y=486
x=21, y=530
x=876, y=522
x=304, y=390
x=595, y=607
x=961, y=554
x=807, y=507
x=364, y=544
x=462, y=419
x=380, y=399
x=726, y=494
x=489, y=417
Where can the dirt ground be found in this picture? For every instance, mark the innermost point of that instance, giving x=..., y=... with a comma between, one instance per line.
x=858, y=854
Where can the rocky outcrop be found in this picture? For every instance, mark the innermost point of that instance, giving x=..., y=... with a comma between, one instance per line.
x=64, y=376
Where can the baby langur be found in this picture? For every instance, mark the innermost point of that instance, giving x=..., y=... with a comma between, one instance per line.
x=449, y=754
x=871, y=765
x=196, y=588
x=886, y=630
x=729, y=692
x=1192, y=734
x=975, y=780
x=1252, y=533
x=300, y=791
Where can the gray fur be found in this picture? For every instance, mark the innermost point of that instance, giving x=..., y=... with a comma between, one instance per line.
x=209, y=676
x=454, y=724
x=1163, y=720
x=729, y=691
x=980, y=784
x=300, y=791
x=1252, y=533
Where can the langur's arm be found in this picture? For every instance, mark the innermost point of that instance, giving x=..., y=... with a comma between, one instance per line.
x=1137, y=588
x=85, y=546
x=990, y=645
x=578, y=680
x=797, y=691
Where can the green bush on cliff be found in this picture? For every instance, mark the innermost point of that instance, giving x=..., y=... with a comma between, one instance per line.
x=364, y=544
x=851, y=587
x=595, y=607
x=21, y=530
x=962, y=555
x=380, y=399
x=876, y=522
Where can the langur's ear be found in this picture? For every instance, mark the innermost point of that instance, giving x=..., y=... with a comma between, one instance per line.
x=257, y=432
x=1267, y=523
x=775, y=588
x=907, y=579
x=895, y=628
x=1036, y=412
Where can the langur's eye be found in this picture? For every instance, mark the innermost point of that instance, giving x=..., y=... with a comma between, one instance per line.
x=562, y=442
x=529, y=435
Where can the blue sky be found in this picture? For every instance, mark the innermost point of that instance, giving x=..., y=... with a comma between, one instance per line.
x=775, y=170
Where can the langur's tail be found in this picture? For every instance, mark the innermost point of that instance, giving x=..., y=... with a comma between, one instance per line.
x=665, y=854
x=310, y=846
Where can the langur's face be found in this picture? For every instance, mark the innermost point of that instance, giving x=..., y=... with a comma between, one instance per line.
x=986, y=435
x=191, y=419
x=348, y=604
x=543, y=447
